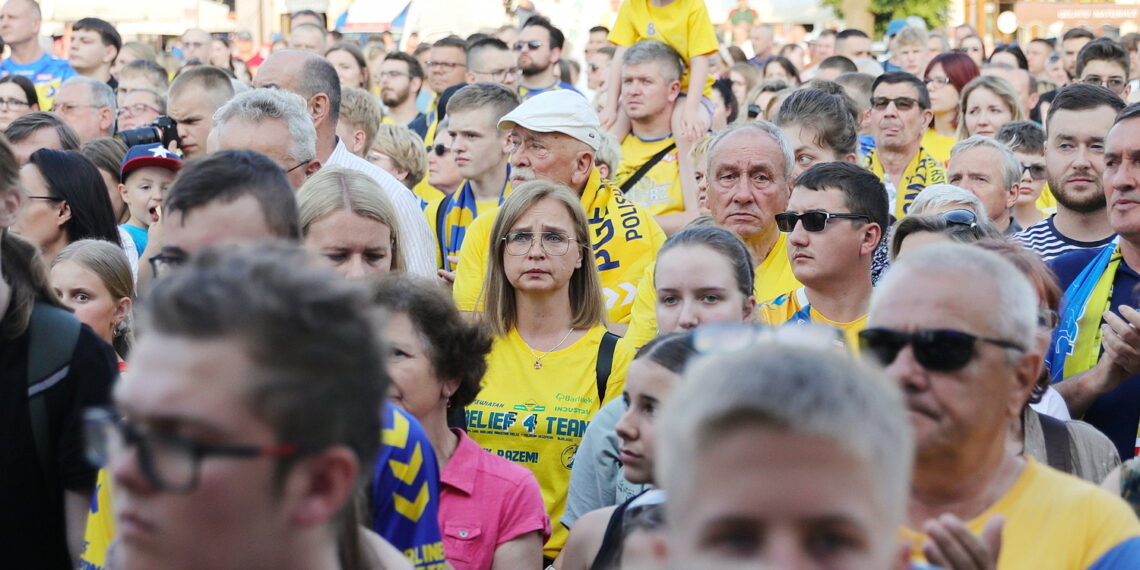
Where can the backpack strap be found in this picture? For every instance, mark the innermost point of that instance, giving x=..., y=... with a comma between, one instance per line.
x=1056, y=443
x=605, y=363
x=632, y=180
x=52, y=336
x=440, y=234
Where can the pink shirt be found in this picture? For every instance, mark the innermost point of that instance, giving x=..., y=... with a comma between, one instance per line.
x=485, y=501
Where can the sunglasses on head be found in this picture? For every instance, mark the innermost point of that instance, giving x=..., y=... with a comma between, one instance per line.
x=938, y=350
x=960, y=218
x=813, y=221
x=901, y=103
x=438, y=149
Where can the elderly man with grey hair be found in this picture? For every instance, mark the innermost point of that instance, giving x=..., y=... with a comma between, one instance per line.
x=772, y=449
x=274, y=123
x=989, y=169
x=88, y=106
x=313, y=78
x=966, y=360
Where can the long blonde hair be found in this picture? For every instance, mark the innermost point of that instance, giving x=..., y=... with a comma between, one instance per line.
x=586, y=302
x=996, y=85
x=108, y=262
x=333, y=189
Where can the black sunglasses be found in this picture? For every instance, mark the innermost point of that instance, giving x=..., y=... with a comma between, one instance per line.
x=901, y=103
x=939, y=350
x=438, y=149
x=532, y=45
x=960, y=218
x=813, y=221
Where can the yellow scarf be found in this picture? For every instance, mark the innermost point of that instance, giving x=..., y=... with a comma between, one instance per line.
x=924, y=170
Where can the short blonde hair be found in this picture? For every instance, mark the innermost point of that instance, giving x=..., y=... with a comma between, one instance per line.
x=360, y=110
x=586, y=303
x=996, y=85
x=405, y=148
x=333, y=189
x=912, y=36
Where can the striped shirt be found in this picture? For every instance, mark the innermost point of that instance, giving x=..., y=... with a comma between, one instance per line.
x=1044, y=239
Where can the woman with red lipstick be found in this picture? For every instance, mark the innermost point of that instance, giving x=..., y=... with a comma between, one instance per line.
x=596, y=542
x=552, y=363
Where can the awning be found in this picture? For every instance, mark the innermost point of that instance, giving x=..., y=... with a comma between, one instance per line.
x=373, y=16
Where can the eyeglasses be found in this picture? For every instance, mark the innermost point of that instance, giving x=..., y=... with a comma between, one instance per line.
x=936, y=81
x=533, y=146
x=960, y=217
x=813, y=221
x=393, y=73
x=938, y=350
x=65, y=108
x=169, y=462
x=499, y=74
x=14, y=104
x=299, y=165
x=445, y=64
x=1114, y=84
x=901, y=103
x=553, y=243
x=1036, y=171
x=137, y=109
x=531, y=45
x=47, y=198
x=164, y=263
x=438, y=149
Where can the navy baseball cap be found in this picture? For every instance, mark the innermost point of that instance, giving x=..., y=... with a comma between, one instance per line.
x=153, y=154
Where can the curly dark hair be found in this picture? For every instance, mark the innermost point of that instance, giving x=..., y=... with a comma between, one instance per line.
x=457, y=349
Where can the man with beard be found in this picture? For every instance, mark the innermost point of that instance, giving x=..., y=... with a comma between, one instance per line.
x=1077, y=124
x=900, y=112
x=540, y=47
x=401, y=77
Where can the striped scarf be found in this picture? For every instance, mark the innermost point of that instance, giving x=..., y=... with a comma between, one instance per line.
x=923, y=171
x=461, y=210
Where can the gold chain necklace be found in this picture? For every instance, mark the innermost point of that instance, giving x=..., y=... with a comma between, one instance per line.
x=538, y=357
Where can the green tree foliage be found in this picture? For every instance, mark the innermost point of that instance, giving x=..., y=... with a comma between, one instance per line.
x=934, y=12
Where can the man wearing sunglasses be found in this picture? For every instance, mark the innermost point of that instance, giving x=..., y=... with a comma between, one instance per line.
x=218, y=457
x=834, y=223
x=991, y=171
x=900, y=113
x=1027, y=141
x=539, y=47
x=954, y=326
x=1076, y=126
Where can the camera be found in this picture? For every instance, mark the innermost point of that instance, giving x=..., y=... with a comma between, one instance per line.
x=162, y=130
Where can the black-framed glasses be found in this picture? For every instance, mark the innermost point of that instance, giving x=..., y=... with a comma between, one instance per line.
x=813, y=221
x=939, y=350
x=47, y=198
x=553, y=243
x=960, y=217
x=531, y=45
x=438, y=149
x=1114, y=84
x=1036, y=171
x=299, y=165
x=500, y=74
x=170, y=462
x=14, y=104
x=164, y=263
x=901, y=103
x=391, y=73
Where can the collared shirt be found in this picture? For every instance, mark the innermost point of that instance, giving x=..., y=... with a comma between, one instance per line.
x=924, y=170
x=485, y=501
x=415, y=236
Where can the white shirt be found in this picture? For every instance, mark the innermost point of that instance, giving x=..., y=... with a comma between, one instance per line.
x=416, y=238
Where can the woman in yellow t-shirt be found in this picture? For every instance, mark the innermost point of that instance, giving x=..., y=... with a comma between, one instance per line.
x=552, y=363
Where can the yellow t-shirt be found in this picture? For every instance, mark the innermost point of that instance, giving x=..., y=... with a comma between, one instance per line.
x=659, y=190
x=938, y=146
x=100, y=525
x=536, y=418
x=428, y=194
x=1057, y=521
x=625, y=240
x=784, y=308
x=773, y=276
x=683, y=24
x=1046, y=202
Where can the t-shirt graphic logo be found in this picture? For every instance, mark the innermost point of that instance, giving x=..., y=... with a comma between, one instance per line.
x=651, y=30
x=568, y=456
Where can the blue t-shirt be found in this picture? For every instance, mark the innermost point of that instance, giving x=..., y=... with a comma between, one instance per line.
x=1116, y=413
x=139, y=235
x=46, y=73
x=405, y=491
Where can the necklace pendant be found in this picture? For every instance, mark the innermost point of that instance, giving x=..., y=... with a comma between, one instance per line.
x=537, y=365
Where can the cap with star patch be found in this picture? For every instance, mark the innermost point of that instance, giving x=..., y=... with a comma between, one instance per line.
x=153, y=154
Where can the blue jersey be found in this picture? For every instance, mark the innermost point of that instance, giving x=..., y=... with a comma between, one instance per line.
x=405, y=491
x=46, y=73
x=139, y=235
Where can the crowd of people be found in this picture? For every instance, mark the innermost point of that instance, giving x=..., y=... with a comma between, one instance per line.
x=720, y=298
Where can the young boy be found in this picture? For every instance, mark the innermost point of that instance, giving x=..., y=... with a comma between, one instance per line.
x=685, y=26
x=146, y=173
